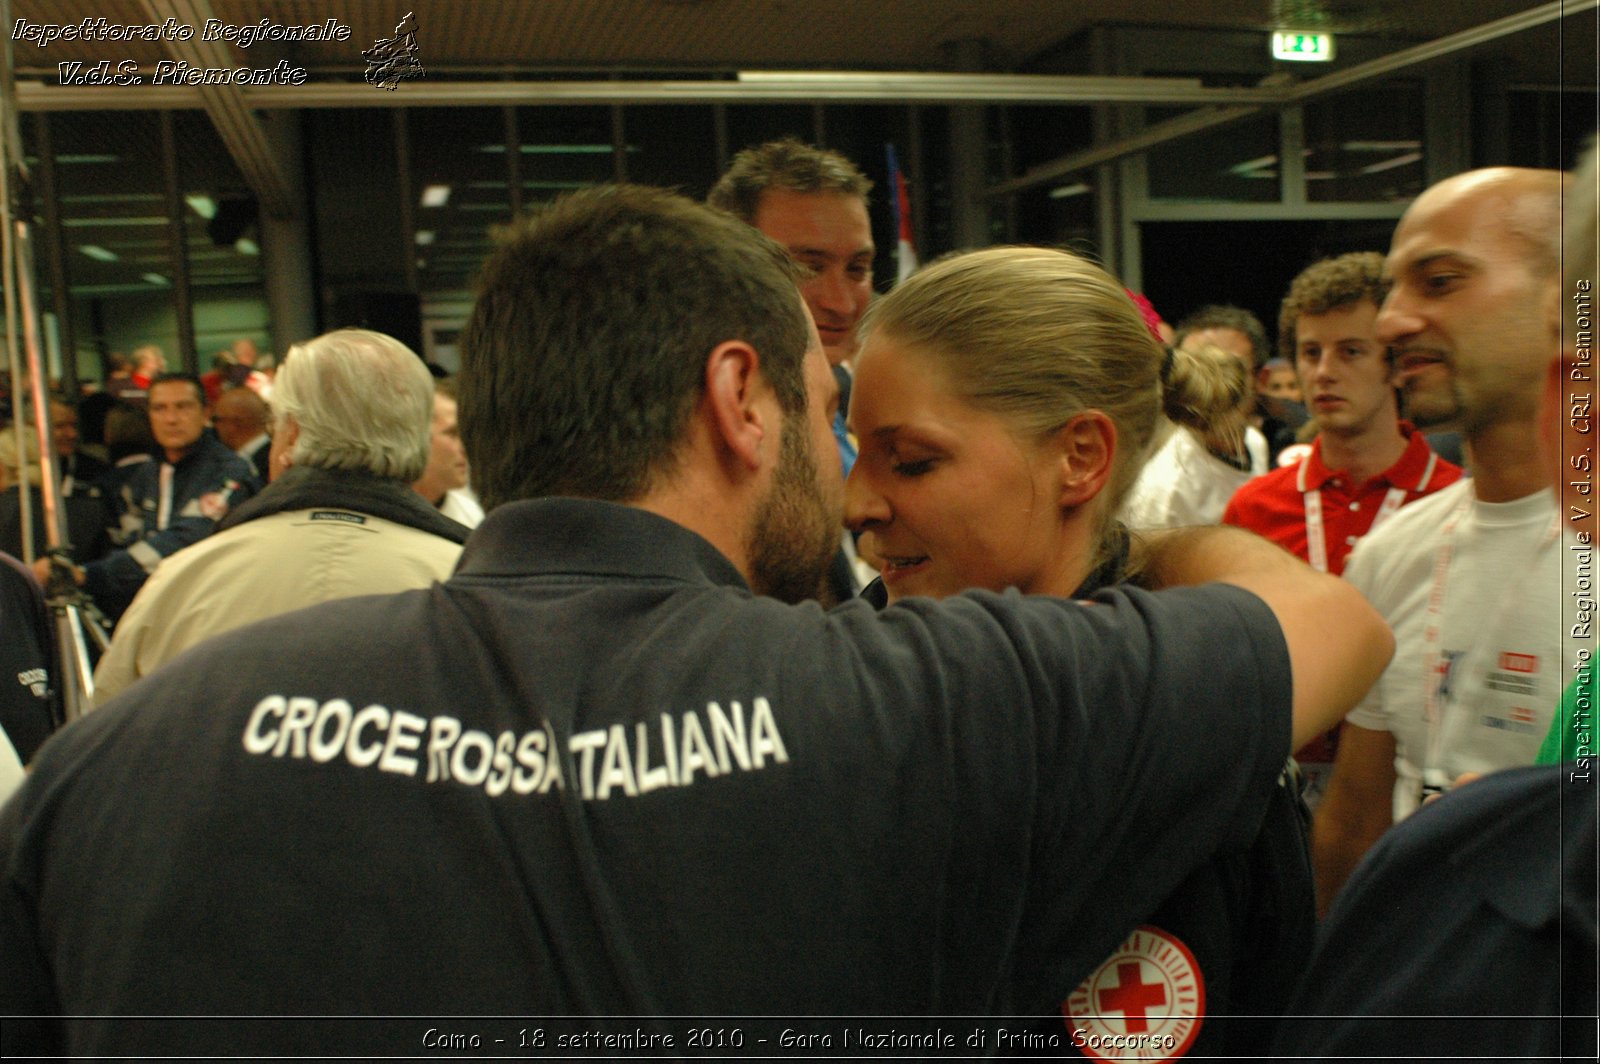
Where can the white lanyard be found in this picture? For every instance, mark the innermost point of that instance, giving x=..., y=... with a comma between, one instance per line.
x=164, y=507
x=1433, y=666
x=1316, y=536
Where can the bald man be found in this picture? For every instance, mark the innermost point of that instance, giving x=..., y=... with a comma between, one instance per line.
x=1466, y=577
x=240, y=418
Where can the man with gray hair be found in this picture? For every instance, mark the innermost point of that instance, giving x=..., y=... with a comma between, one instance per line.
x=350, y=433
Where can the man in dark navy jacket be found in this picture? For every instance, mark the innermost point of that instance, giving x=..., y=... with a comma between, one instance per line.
x=603, y=771
x=165, y=505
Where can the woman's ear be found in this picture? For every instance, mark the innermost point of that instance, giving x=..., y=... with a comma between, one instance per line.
x=1087, y=452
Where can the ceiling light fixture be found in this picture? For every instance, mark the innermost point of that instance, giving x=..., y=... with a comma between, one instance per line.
x=1301, y=46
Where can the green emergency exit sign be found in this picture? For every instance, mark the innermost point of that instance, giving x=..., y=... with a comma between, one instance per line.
x=1303, y=47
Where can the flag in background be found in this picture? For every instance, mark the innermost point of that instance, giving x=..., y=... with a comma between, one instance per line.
x=906, y=249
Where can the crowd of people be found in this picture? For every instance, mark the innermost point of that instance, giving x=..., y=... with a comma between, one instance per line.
x=938, y=652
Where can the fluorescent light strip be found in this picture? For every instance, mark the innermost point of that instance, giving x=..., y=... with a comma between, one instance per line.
x=1390, y=164
x=535, y=186
x=157, y=279
x=126, y=197
x=1243, y=169
x=1064, y=191
x=557, y=149
x=95, y=223
x=98, y=253
x=425, y=237
x=203, y=205
x=436, y=195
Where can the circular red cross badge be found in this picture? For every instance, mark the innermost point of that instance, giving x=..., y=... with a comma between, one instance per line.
x=1145, y=1002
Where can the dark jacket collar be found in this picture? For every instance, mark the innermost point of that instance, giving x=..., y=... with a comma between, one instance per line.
x=563, y=536
x=1112, y=571
x=303, y=487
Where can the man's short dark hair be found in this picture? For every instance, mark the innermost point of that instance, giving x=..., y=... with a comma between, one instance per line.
x=585, y=352
x=187, y=378
x=787, y=164
x=1329, y=285
x=1222, y=316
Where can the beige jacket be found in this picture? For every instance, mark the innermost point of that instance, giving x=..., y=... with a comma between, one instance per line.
x=262, y=568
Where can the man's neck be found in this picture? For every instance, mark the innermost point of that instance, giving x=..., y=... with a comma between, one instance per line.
x=1505, y=461
x=1363, y=455
x=177, y=454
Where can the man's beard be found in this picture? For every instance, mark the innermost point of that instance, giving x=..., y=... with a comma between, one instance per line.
x=794, y=534
x=1438, y=408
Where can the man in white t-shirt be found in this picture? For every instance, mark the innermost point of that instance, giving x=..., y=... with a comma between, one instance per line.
x=1467, y=576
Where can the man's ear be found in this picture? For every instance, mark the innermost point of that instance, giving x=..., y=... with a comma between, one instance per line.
x=286, y=435
x=733, y=385
x=1086, y=450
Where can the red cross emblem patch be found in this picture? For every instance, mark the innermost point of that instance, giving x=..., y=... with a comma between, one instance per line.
x=1144, y=1002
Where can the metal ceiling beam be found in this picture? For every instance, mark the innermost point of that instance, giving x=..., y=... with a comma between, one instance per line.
x=755, y=89
x=1199, y=121
x=988, y=88
x=240, y=130
x=1153, y=136
x=1444, y=46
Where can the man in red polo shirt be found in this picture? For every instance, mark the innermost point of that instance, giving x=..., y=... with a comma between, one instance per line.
x=1365, y=462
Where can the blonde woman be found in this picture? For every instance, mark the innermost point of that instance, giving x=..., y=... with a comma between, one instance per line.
x=1004, y=400
x=1197, y=467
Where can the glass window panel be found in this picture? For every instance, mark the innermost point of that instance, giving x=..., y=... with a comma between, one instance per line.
x=459, y=190
x=222, y=233
x=1234, y=164
x=861, y=133
x=1040, y=134
x=673, y=147
x=564, y=148
x=112, y=201
x=936, y=179
x=1549, y=129
x=752, y=124
x=1366, y=145
x=1060, y=214
x=355, y=197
